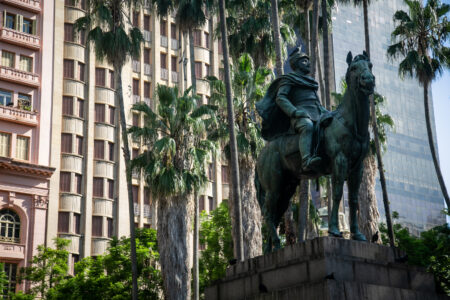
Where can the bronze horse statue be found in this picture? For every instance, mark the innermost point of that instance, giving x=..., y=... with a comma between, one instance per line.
x=342, y=141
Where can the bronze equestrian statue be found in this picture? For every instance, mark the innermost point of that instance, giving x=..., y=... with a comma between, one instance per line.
x=306, y=141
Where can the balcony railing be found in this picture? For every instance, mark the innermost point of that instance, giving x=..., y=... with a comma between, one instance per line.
x=17, y=115
x=18, y=76
x=148, y=69
x=20, y=38
x=147, y=36
x=136, y=99
x=164, y=41
x=11, y=250
x=31, y=5
x=136, y=66
x=164, y=74
x=174, y=44
x=147, y=212
x=174, y=76
x=148, y=101
x=136, y=209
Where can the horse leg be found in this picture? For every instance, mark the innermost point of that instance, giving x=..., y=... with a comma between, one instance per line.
x=353, y=183
x=338, y=177
x=270, y=208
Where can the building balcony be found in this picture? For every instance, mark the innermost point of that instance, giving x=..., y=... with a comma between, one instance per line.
x=136, y=99
x=148, y=101
x=174, y=44
x=30, y=5
x=17, y=115
x=20, y=38
x=10, y=250
x=148, y=69
x=164, y=42
x=164, y=74
x=147, y=36
x=174, y=76
x=18, y=76
x=136, y=66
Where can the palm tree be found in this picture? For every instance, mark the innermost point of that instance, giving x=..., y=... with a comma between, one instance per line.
x=106, y=21
x=419, y=39
x=248, y=87
x=174, y=166
x=277, y=37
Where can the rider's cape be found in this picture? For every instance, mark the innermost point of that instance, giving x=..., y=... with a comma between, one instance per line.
x=274, y=121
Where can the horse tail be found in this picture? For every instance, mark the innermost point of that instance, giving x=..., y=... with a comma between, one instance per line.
x=260, y=195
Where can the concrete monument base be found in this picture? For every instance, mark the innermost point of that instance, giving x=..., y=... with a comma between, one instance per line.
x=326, y=268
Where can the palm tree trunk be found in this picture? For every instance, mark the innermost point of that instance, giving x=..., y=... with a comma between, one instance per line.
x=303, y=209
x=368, y=211
x=127, y=157
x=326, y=55
x=321, y=84
x=366, y=27
x=307, y=33
x=233, y=145
x=192, y=61
x=432, y=148
x=174, y=225
x=314, y=37
x=277, y=36
x=195, y=271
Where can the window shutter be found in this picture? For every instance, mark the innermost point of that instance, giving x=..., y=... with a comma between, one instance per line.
x=20, y=23
x=17, y=27
x=4, y=18
x=33, y=27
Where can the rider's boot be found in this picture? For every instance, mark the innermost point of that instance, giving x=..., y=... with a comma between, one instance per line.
x=309, y=162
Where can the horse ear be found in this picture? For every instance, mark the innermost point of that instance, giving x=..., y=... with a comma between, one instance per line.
x=349, y=57
x=365, y=54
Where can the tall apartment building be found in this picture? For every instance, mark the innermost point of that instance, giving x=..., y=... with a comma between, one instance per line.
x=412, y=183
x=88, y=197
x=26, y=34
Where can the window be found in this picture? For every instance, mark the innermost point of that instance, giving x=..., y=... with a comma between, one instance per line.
x=10, y=21
x=100, y=113
x=22, y=147
x=225, y=174
x=66, y=143
x=78, y=180
x=146, y=56
x=24, y=101
x=82, y=35
x=163, y=28
x=210, y=171
x=26, y=63
x=221, y=74
x=146, y=196
x=147, y=22
x=64, y=182
x=173, y=31
x=5, y=144
x=79, y=145
x=68, y=32
x=198, y=70
x=111, y=151
x=67, y=108
x=197, y=35
x=11, y=274
x=163, y=61
x=201, y=203
x=98, y=187
x=136, y=87
x=112, y=114
x=147, y=89
x=63, y=221
x=81, y=71
x=27, y=26
x=5, y=98
x=208, y=70
x=69, y=68
x=135, y=120
x=100, y=76
x=207, y=40
x=173, y=63
x=97, y=226
x=76, y=224
x=9, y=226
x=135, y=194
x=134, y=153
x=8, y=59
x=110, y=223
x=220, y=46
x=111, y=79
x=211, y=203
x=99, y=149
x=75, y=259
x=136, y=19
x=110, y=189
x=80, y=108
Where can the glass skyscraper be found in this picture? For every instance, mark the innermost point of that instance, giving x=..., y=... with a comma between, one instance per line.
x=412, y=183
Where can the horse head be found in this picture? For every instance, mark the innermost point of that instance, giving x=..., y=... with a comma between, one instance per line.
x=359, y=75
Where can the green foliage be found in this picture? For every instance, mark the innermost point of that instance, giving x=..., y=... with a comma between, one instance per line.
x=248, y=84
x=430, y=250
x=175, y=136
x=215, y=233
x=48, y=268
x=109, y=276
x=3, y=278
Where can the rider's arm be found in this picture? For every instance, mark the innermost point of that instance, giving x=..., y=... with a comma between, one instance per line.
x=283, y=101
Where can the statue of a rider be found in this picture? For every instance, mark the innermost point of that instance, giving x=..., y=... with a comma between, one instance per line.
x=291, y=106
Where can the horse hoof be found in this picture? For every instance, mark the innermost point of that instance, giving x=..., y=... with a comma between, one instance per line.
x=359, y=237
x=337, y=234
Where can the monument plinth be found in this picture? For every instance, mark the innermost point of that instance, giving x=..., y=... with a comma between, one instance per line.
x=326, y=268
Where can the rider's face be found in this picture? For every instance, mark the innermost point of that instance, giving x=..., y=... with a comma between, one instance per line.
x=303, y=65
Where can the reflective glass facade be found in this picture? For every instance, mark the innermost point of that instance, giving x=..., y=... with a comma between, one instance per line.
x=412, y=183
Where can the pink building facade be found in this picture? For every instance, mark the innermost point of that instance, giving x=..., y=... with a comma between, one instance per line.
x=26, y=68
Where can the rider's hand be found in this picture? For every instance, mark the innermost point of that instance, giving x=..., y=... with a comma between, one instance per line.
x=299, y=114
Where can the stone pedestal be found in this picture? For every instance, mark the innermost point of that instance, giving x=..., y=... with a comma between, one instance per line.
x=326, y=268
